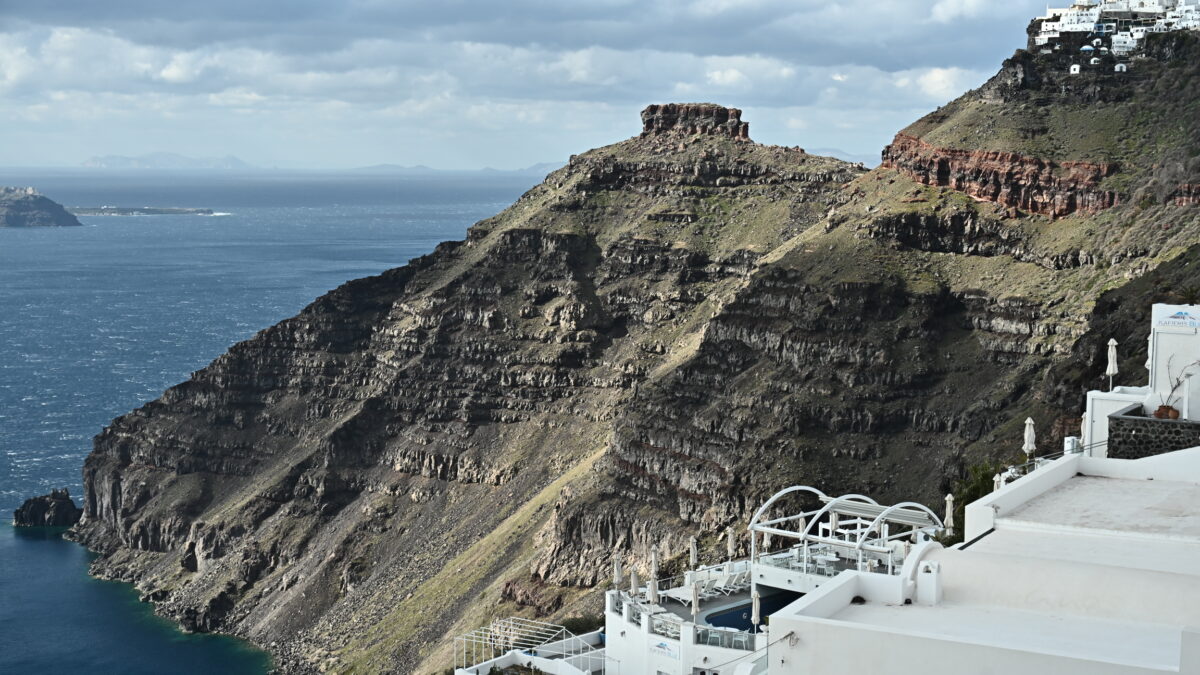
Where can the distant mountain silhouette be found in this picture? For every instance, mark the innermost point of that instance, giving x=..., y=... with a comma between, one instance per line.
x=167, y=160
x=422, y=170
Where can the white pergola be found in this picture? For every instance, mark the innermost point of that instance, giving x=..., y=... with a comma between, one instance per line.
x=849, y=526
x=515, y=633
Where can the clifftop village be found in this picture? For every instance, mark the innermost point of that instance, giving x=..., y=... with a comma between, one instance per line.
x=1107, y=33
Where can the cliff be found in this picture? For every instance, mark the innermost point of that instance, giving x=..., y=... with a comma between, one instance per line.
x=24, y=207
x=1042, y=140
x=642, y=348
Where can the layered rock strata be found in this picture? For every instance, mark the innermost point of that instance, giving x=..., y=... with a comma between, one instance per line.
x=693, y=119
x=1030, y=184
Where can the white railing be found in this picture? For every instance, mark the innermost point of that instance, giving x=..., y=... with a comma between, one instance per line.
x=523, y=637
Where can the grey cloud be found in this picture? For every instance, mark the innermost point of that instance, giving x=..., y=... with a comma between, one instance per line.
x=523, y=80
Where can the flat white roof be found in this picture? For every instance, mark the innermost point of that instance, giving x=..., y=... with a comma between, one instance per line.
x=1095, y=549
x=1118, y=507
x=1129, y=643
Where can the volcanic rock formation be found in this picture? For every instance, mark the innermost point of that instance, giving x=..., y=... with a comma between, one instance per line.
x=56, y=509
x=692, y=119
x=24, y=207
x=642, y=348
x=1026, y=183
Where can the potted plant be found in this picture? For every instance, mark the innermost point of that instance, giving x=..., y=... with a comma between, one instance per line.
x=1167, y=411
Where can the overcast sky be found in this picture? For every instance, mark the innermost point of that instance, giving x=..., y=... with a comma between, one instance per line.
x=472, y=83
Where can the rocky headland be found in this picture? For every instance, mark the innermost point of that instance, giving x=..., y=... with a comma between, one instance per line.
x=25, y=207
x=56, y=509
x=640, y=349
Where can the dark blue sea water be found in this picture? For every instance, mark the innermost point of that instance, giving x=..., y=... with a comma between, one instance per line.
x=95, y=321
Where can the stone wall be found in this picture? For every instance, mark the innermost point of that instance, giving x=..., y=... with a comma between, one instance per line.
x=1132, y=436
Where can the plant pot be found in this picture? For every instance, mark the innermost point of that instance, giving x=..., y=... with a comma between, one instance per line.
x=1173, y=414
x=1163, y=412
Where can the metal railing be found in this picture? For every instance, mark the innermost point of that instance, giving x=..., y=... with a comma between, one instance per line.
x=668, y=627
x=635, y=614
x=725, y=638
x=502, y=636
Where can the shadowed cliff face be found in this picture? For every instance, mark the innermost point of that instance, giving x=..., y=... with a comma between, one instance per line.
x=642, y=348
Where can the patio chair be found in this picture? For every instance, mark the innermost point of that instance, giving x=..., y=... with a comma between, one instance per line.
x=709, y=590
x=730, y=584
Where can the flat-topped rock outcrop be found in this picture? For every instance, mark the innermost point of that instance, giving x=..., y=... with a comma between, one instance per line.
x=690, y=119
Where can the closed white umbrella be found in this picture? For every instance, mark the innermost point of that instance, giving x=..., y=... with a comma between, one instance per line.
x=695, y=601
x=1112, y=370
x=766, y=542
x=949, y=521
x=634, y=583
x=652, y=591
x=756, y=611
x=730, y=543
x=1030, y=446
x=654, y=564
x=997, y=483
x=618, y=573
x=693, y=554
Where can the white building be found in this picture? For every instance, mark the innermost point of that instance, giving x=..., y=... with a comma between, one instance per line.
x=1125, y=23
x=1174, y=369
x=1087, y=566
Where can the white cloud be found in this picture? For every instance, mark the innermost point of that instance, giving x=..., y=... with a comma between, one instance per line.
x=946, y=83
x=945, y=11
x=515, y=84
x=726, y=77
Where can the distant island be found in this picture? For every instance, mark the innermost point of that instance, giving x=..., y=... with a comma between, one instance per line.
x=26, y=207
x=421, y=170
x=138, y=211
x=168, y=161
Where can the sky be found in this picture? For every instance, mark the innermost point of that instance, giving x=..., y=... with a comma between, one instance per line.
x=461, y=84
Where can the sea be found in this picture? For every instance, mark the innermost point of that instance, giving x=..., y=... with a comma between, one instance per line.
x=98, y=320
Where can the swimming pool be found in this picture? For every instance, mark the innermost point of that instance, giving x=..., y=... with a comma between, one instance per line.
x=739, y=617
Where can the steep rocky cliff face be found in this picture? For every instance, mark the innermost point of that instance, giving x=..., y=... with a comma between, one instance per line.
x=25, y=207
x=642, y=348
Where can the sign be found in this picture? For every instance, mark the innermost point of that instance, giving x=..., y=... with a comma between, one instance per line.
x=664, y=648
x=1176, y=316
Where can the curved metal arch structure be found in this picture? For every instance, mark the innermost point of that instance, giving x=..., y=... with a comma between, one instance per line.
x=780, y=495
x=862, y=537
x=833, y=503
